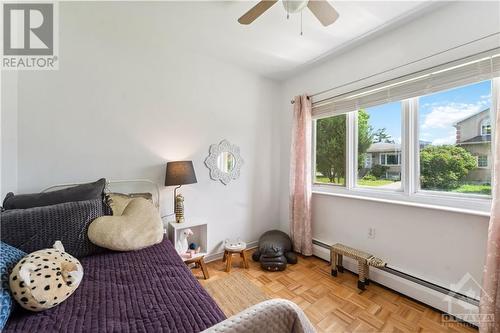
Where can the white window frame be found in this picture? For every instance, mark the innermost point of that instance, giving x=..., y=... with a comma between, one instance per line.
x=410, y=193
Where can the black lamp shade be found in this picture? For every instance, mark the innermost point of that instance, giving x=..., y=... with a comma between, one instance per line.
x=180, y=173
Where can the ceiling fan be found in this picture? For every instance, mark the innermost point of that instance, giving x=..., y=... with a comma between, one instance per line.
x=323, y=11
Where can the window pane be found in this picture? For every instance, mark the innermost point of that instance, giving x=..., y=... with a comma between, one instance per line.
x=379, y=146
x=455, y=140
x=331, y=150
x=392, y=159
x=482, y=161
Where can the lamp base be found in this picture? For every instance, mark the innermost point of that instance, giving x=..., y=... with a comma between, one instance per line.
x=179, y=208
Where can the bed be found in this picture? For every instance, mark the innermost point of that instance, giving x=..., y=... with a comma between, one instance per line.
x=150, y=290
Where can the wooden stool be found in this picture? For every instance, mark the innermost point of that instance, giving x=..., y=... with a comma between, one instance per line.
x=199, y=263
x=228, y=258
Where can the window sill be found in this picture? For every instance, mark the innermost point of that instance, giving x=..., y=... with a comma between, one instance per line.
x=456, y=204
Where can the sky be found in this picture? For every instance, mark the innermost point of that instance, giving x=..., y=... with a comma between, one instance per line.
x=437, y=112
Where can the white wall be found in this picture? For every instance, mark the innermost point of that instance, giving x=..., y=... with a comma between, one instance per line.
x=127, y=98
x=437, y=246
x=8, y=130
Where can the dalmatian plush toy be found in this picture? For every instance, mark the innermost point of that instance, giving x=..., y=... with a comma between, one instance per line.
x=45, y=278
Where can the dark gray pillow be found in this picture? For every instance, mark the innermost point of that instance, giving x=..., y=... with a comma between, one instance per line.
x=82, y=192
x=38, y=228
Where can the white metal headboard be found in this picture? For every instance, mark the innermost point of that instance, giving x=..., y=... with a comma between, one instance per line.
x=109, y=183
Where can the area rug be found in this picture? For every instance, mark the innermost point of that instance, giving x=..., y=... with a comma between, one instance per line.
x=235, y=293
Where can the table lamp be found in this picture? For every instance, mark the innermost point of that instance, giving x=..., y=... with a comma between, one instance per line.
x=179, y=173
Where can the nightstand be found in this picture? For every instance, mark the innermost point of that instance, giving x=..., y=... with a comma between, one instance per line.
x=200, y=237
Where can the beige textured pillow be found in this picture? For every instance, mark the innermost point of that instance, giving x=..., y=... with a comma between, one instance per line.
x=118, y=201
x=138, y=227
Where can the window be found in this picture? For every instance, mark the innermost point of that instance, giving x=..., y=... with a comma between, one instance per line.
x=482, y=161
x=457, y=147
x=379, y=137
x=486, y=127
x=421, y=139
x=331, y=150
x=390, y=159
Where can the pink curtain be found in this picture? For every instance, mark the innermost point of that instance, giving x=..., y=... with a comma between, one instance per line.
x=300, y=176
x=490, y=297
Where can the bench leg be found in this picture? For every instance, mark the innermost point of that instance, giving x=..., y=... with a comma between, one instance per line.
x=333, y=263
x=361, y=285
x=340, y=267
x=362, y=272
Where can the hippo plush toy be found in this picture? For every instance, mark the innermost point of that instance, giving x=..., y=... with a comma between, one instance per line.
x=274, y=251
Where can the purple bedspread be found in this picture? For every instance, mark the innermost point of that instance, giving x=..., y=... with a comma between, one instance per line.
x=150, y=290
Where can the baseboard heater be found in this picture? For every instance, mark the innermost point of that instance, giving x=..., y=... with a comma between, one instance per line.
x=417, y=280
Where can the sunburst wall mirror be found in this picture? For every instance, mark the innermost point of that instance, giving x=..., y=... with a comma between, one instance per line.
x=224, y=161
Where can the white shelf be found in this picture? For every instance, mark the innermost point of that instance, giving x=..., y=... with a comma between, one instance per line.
x=185, y=225
x=200, y=235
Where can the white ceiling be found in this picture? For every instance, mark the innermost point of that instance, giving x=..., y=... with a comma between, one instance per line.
x=272, y=45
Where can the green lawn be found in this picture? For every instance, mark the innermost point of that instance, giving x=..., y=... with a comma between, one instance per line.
x=466, y=188
x=362, y=182
x=474, y=188
x=326, y=180
x=378, y=182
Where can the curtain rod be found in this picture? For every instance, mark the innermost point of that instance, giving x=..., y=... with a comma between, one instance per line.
x=293, y=101
x=407, y=64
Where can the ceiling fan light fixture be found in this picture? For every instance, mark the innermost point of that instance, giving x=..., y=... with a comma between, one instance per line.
x=294, y=6
x=321, y=9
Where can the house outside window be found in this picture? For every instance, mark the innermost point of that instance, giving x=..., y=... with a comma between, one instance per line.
x=473, y=133
x=379, y=147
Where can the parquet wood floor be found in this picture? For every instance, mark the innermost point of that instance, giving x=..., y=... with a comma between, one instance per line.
x=335, y=304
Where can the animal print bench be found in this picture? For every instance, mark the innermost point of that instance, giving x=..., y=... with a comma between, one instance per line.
x=364, y=259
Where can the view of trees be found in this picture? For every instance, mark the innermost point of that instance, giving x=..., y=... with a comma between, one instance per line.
x=365, y=136
x=381, y=135
x=331, y=147
x=444, y=167
x=451, y=134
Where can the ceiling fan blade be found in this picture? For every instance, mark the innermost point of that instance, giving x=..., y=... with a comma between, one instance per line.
x=256, y=11
x=323, y=11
